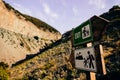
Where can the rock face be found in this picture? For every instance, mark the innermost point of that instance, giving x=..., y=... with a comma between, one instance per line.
x=17, y=23
x=19, y=37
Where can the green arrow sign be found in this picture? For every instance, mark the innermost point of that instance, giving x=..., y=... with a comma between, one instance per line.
x=82, y=33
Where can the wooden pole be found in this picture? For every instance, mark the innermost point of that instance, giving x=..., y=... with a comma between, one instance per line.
x=92, y=76
x=102, y=60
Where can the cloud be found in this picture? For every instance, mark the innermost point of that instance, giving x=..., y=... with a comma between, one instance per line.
x=98, y=3
x=75, y=11
x=49, y=12
x=22, y=9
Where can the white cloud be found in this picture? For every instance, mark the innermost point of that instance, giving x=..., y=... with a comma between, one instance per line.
x=75, y=11
x=22, y=9
x=98, y=3
x=49, y=12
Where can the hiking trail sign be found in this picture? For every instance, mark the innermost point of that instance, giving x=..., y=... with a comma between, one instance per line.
x=82, y=33
x=89, y=58
x=85, y=59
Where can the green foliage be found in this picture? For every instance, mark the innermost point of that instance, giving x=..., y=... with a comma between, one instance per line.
x=3, y=72
x=25, y=77
x=48, y=65
x=42, y=75
x=4, y=65
x=114, y=8
x=113, y=13
x=7, y=5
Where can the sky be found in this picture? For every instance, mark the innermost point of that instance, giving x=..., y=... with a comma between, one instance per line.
x=63, y=15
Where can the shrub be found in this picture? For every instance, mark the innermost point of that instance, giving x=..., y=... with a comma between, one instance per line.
x=36, y=37
x=25, y=77
x=3, y=74
x=48, y=65
x=4, y=65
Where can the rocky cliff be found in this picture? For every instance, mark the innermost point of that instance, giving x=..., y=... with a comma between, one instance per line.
x=21, y=34
x=15, y=21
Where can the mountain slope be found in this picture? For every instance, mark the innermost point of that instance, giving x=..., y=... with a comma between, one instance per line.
x=45, y=63
x=52, y=59
x=53, y=63
x=21, y=34
x=13, y=20
x=113, y=30
x=112, y=42
x=15, y=46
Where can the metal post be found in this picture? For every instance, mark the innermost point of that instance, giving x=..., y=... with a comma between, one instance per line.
x=92, y=74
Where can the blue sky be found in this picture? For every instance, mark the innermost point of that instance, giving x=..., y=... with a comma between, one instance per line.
x=63, y=14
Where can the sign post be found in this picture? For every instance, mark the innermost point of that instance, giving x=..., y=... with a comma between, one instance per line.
x=88, y=58
x=82, y=33
x=85, y=59
x=92, y=75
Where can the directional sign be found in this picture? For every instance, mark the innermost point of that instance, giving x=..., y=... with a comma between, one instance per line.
x=82, y=33
x=85, y=59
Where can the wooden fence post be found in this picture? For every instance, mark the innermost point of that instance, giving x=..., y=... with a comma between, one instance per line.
x=102, y=60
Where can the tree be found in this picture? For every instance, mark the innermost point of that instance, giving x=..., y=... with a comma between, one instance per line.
x=114, y=7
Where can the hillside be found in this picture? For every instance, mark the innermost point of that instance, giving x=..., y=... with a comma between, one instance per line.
x=22, y=34
x=15, y=46
x=15, y=21
x=111, y=43
x=53, y=62
x=112, y=34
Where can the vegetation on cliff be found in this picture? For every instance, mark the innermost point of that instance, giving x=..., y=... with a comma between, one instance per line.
x=52, y=62
x=4, y=74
